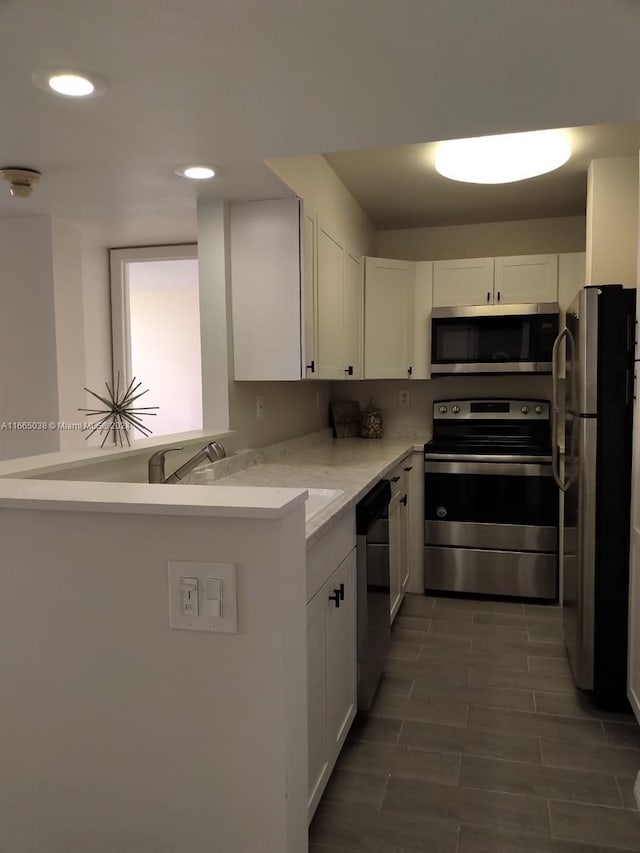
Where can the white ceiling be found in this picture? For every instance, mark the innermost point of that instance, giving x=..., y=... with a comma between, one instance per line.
x=398, y=187
x=238, y=81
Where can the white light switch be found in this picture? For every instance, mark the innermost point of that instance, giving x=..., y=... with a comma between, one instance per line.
x=202, y=596
x=189, y=596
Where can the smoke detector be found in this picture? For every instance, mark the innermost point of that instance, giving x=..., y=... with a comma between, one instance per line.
x=22, y=181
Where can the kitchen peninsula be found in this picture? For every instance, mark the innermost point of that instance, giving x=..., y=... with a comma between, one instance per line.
x=168, y=735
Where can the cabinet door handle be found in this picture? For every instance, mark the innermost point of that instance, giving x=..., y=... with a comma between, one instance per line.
x=395, y=479
x=410, y=468
x=498, y=296
x=410, y=370
x=488, y=296
x=349, y=370
x=403, y=500
x=337, y=596
x=312, y=366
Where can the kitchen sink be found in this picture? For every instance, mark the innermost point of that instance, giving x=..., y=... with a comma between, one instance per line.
x=320, y=499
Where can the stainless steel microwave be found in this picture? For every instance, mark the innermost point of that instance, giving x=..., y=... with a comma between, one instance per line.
x=493, y=339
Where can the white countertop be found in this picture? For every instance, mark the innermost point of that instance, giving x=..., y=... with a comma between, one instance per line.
x=353, y=465
x=144, y=498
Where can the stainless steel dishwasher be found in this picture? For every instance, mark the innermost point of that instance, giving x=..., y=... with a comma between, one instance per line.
x=373, y=600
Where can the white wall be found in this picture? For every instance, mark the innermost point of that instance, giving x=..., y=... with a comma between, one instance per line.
x=418, y=414
x=28, y=360
x=96, y=308
x=66, y=260
x=313, y=179
x=164, y=316
x=612, y=221
x=484, y=239
x=122, y=734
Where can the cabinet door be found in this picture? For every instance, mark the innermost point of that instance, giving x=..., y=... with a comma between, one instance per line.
x=309, y=293
x=331, y=361
x=317, y=697
x=388, y=318
x=405, y=526
x=395, y=555
x=341, y=653
x=526, y=278
x=353, y=315
x=462, y=282
x=265, y=289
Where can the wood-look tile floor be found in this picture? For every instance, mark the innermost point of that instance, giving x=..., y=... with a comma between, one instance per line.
x=478, y=742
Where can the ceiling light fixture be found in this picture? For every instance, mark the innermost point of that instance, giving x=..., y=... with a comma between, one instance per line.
x=502, y=159
x=70, y=83
x=197, y=172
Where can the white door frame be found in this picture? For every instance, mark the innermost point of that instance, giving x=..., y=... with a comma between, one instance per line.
x=119, y=278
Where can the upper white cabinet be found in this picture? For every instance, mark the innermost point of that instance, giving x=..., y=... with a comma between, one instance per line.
x=340, y=308
x=266, y=289
x=388, y=318
x=423, y=298
x=309, y=292
x=492, y=281
x=458, y=283
x=526, y=278
x=331, y=357
x=296, y=295
x=353, y=314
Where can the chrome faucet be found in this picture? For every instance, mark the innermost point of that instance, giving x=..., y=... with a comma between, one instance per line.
x=211, y=452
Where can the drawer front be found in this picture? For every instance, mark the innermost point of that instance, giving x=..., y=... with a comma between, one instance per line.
x=329, y=552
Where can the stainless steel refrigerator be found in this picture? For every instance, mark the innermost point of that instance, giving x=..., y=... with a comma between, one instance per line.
x=598, y=340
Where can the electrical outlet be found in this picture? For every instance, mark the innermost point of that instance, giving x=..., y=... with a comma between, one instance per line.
x=403, y=399
x=259, y=407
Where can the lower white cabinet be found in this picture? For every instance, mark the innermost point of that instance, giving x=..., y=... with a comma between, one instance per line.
x=331, y=673
x=400, y=534
x=395, y=555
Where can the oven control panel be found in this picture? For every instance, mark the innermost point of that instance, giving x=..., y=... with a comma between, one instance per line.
x=491, y=410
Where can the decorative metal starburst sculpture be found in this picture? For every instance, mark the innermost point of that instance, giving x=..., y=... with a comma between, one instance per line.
x=119, y=414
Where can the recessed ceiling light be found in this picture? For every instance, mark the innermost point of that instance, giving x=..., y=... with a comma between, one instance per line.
x=70, y=83
x=197, y=172
x=502, y=159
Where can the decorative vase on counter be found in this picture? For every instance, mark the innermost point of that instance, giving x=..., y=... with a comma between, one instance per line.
x=372, y=422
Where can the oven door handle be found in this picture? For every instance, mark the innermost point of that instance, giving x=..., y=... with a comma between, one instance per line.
x=555, y=411
x=488, y=469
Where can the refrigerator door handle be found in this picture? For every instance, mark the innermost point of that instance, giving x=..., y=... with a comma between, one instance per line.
x=555, y=410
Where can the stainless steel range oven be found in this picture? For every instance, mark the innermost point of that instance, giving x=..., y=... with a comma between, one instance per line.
x=491, y=503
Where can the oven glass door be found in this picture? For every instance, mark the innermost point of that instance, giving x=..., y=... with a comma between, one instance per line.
x=489, y=498
x=493, y=340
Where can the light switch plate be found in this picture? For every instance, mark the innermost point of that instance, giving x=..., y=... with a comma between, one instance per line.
x=225, y=573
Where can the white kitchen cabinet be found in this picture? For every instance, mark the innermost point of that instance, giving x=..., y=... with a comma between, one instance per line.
x=415, y=488
x=331, y=652
x=406, y=542
x=525, y=279
x=395, y=555
x=340, y=594
x=353, y=315
x=310, y=292
x=266, y=296
x=458, y=283
x=340, y=308
x=388, y=318
x=331, y=362
x=318, y=764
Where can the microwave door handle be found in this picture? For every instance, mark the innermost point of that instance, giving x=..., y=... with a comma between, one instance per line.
x=555, y=409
